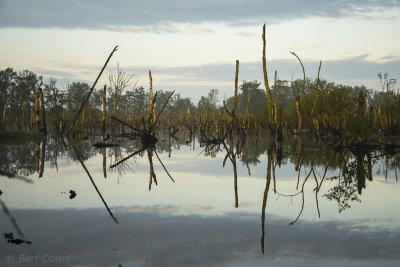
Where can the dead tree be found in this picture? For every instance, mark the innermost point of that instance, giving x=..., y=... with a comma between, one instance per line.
x=85, y=100
x=266, y=84
x=298, y=107
x=42, y=111
x=118, y=81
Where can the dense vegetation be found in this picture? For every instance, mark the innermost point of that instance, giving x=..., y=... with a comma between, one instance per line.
x=327, y=109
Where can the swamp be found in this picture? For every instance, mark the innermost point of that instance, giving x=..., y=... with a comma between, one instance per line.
x=294, y=173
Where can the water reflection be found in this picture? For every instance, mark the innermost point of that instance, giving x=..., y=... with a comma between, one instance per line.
x=341, y=177
x=80, y=159
x=162, y=240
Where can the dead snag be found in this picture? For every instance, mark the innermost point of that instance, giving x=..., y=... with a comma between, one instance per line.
x=92, y=88
x=298, y=107
x=266, y=84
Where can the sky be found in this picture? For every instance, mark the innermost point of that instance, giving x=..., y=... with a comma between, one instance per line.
x=191, y=46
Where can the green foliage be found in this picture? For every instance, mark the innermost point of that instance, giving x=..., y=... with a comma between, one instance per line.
x=343, y=194
x=327, y=109
x=76, y=92
x=357, y=128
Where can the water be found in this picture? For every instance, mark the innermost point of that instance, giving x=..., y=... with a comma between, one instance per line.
x=339, y=209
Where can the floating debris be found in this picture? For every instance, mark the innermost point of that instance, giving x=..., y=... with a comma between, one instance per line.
x=72, y=194
x=9, y=236
x=10, y=239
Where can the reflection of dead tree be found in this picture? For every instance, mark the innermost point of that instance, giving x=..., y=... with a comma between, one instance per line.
x=212, y=145
x=268, y=181
x=152, y=173
x=42, y=156
x=91, y=179
x=103, y=151
x=122, y=167
x=316, y=189
x=302, y=197
x=247, y=163
x=231, y=154
x=128, y=157
x=11, y=218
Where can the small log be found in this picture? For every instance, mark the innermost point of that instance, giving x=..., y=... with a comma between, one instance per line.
x=102, y=145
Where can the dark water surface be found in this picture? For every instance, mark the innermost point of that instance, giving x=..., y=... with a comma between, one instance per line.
x=240, y=203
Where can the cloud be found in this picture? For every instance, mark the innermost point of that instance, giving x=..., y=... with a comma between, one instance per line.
x=104, y=14
x=166, y=209
x=90, y=238
x=245, y=33
x=53, y=73
x=170, y=28
x=150, y=28
x=196, y=80
x=389, y=58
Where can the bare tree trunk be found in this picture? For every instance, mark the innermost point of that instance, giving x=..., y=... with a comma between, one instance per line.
x=103, y=120
x=298, y=109
x=232, y=113
x=299, y=116
x=25, y=123
x=37, y=116
x=42, y=111
x=266, y=84
x=151, y=110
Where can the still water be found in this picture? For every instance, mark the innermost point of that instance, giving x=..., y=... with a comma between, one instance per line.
x=244, y=202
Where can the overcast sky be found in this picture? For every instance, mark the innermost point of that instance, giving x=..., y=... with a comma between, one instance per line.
x=191, y=46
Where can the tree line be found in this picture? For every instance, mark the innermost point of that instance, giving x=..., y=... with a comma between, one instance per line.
x=325, y=106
